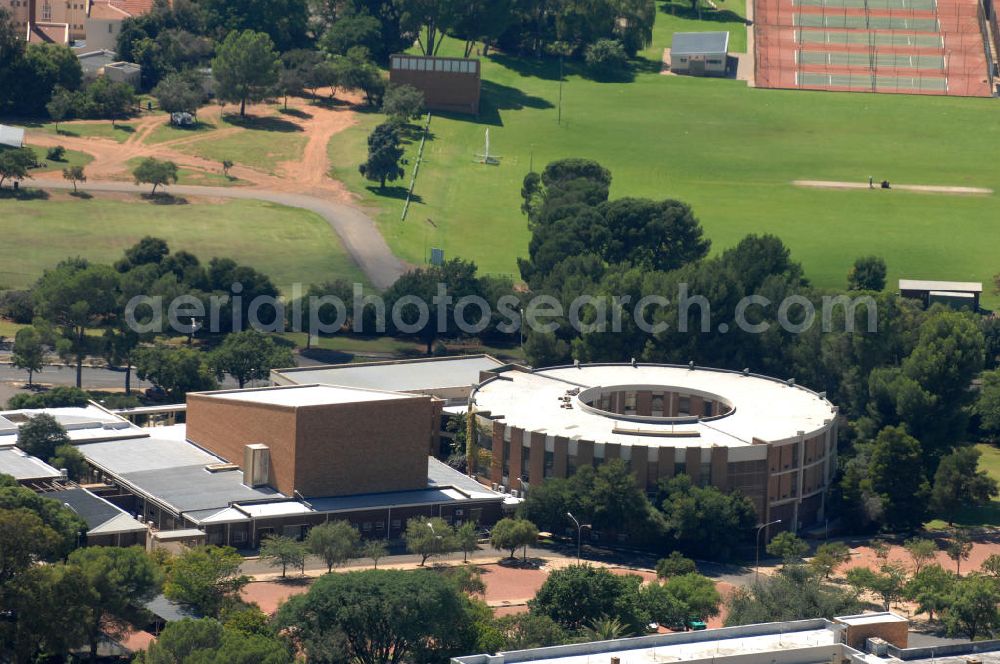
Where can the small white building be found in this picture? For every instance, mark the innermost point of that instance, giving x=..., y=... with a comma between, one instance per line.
x=12, y=137
x=700, y=53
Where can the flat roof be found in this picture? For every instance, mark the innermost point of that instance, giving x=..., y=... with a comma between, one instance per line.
x=297, y=396
x=699, y=43
x=23, y=467
x=102, y=517
x=928, y=285
x=763, y=408
x=399, y=376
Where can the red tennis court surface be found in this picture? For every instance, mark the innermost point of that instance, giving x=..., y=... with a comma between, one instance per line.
x=938, y=47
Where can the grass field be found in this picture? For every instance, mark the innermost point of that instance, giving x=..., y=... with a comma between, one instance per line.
x=192, y=176
x=100, y=129
x=285, y=243
x=988, y=515
x=168, y=132
x=728, y=150
x=269, y=141
x=71, y=158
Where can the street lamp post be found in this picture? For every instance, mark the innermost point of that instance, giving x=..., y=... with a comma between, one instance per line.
x=756, y=574
x=579, y=535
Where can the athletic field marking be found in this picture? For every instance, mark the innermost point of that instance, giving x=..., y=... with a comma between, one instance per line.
x=919, y=188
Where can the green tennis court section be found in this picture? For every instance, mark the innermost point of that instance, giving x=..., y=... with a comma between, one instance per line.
x=921, y=5
x=889, y=60
x=868, y=38
x=864, y=82
x=862, y=21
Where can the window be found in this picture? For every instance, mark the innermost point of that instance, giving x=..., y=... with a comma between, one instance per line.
x=46, y=12
x=395, y=524
x=367, y=526
x=549, y=461
x=714, y=61
x=380, y=526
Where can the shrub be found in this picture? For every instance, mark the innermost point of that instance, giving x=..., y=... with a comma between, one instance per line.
x=57, y=153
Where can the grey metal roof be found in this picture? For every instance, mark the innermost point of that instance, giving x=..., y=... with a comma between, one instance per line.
x=699, y=43
x=189, y=488
x=401, y=376
x=97, y=512
x=139, y=454
x=929, y=285
x=11, y=136
x=23, y=467
x=163, y=608
x=442, y=475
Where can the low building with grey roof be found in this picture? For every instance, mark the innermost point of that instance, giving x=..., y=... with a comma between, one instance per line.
x=700, y=53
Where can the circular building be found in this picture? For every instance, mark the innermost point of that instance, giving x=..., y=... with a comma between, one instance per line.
x=770, y=439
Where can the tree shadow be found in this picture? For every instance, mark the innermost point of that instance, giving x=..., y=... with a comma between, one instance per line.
x=128, y=129
x=626, y=75
x=196, y=126
x=685, y=11
x=164, y=198
x=546, y=68
x=268, y=123
x=327, y=356
x=327, y=102
x=295, y=113
x=495, y=98
x=82, y=195
x=394, y=191
x=23, y=194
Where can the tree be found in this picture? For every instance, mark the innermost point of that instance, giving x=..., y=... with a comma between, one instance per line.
x=867, y=274
x=663, y=606
x=529, y=630
x=434, y=17
x=120, y=580
x=206, y=640
x=697, y=593
x=56, y=153
x=676, y=564
x=888, y=583
x=206, y=578
x=155, y=172
x=336, y=542
x=44, y=599
x=29, y=352
x=64, y=522
x=705, y=522
x=70, y=459
x=382, y=617
x=578, y=595
x=61, y=105
x=384, y=155
x=74, y=174
x=402, y=103
x=376, y=550
x=14, y=164
x=829, y=556
x=788, y=547
x=41, y=435
x=74, y=296
x=958, y=548
x=246, y=66
x=177, y=93
x=284, y=21
x=972, y=607
x=794, y=593
x=110, y=99
x=896, y=476
x=467, y=538
x=249, y=355
x=929, y=589
x=991, y=566
x=176, y=370
x=922, y=551
x=43, y=68
x=226, y=165
x=351, y=31
x=512, y=534
x=24, y=539
x=429, y=537
x=284, y=552
x=606, y=57
x=959, y=484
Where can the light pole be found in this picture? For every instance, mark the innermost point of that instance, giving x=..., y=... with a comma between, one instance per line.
x=579, y=535
x=756, y=573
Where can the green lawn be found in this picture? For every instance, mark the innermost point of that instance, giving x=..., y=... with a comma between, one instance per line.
x=192, y=176
x=268, y=141
x=286, y=243
x=71, y=158
x=168, y=132
x=988, y=515
x=89, y=128
x=729, y=150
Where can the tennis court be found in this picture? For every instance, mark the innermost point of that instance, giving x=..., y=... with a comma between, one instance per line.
x=870, y=38
x=924, y=5
x=881, y=82
x=882, y=60
x=935, y=47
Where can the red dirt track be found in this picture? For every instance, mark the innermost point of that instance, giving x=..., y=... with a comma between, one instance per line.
x=897, y=46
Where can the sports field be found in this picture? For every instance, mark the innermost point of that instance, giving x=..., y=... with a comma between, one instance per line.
x=288, y=244
x=729, y=150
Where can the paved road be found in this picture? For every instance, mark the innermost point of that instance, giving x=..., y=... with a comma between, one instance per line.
x=356, y=230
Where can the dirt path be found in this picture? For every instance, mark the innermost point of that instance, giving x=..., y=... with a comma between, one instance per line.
x=302, y=183
x=919, y=188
